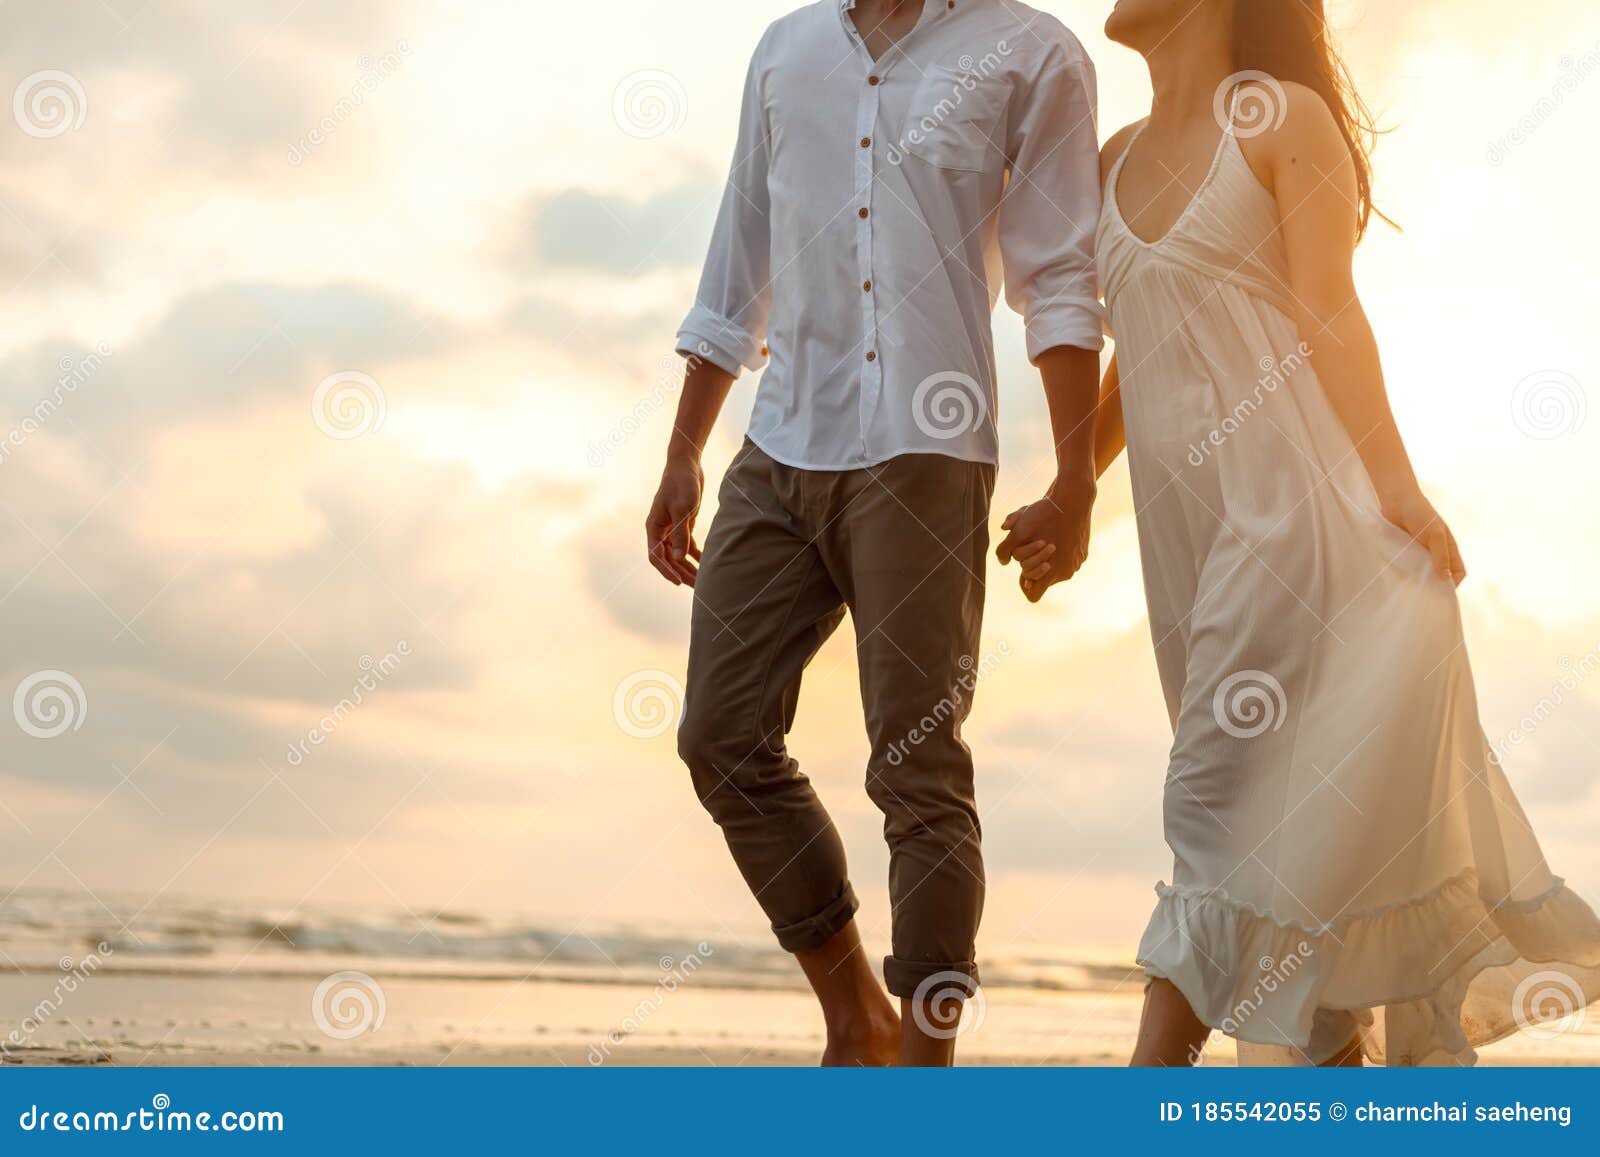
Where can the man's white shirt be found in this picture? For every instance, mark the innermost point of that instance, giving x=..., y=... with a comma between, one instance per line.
x=873, y=210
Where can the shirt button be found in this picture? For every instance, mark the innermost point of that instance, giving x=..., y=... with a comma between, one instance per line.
x=872, y=356
x=861, y=213
x=866, y=142
x=872, y=80
x=866, y=287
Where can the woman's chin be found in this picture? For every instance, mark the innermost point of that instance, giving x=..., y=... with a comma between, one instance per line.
x=1120, y=28
x=1136, y=23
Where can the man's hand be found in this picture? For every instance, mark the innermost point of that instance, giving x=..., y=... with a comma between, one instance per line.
x=1050, y=538
x=669, y=530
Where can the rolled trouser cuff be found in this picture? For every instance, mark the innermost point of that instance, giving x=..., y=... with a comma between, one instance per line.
x=930, y=981
x=815, y=931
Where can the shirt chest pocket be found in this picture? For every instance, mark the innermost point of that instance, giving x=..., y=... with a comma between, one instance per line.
x=956, y=120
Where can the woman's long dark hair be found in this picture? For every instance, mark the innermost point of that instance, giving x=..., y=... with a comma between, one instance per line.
x=1288, y=40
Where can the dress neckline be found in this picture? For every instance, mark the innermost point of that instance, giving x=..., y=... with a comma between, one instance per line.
x=1115, y=179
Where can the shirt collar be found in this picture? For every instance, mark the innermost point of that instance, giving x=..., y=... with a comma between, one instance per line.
x=931, y=11
x=927, y=6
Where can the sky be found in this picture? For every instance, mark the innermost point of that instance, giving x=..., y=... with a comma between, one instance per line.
x=336, y=364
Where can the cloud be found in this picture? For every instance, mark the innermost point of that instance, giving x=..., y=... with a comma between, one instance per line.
x=625, y=349
x=618, y=577
x=578, y=229
x=225, y=348
x=180, y=535
x=213, y=86
x=39, y=249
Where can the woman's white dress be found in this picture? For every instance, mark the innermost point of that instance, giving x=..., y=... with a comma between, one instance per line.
x=1348, y=856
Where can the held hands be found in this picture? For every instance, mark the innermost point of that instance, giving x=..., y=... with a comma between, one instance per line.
x=1049, y=539
x=669, y=529
x=1411, y=511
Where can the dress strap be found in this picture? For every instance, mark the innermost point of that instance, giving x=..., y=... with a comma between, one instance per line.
x=1116, y=166
x=1233, y=109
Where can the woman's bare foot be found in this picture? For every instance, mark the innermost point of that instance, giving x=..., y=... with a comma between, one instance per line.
x=1170, y=1035
x=1350, y=1057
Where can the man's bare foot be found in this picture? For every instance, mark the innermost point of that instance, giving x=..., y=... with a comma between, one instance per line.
x=863, y=1028
x=870, y=1041
x=928, y=1031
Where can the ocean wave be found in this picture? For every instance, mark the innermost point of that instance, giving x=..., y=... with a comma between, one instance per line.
x=170, y=936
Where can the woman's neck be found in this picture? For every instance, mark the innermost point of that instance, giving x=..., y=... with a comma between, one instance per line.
x=1186, y=70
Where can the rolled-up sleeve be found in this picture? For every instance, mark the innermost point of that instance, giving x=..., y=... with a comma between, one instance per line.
x=728, y=323
x=1052, y=203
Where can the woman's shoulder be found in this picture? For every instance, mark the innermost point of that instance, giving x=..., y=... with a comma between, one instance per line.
x=1277, y=120
x=1117, y=144
x=1283, y=112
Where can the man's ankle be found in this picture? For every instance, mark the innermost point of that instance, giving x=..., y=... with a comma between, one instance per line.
x=863, y=1021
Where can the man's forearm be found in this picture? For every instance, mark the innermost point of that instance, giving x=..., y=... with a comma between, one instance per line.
x=705, y=388
x=1072, y=391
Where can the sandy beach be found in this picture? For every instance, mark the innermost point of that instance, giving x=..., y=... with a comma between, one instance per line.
x=212, y=1020
x=712, y=1056
x=207, y=1019
x=200, y=983
x=647, y=1056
